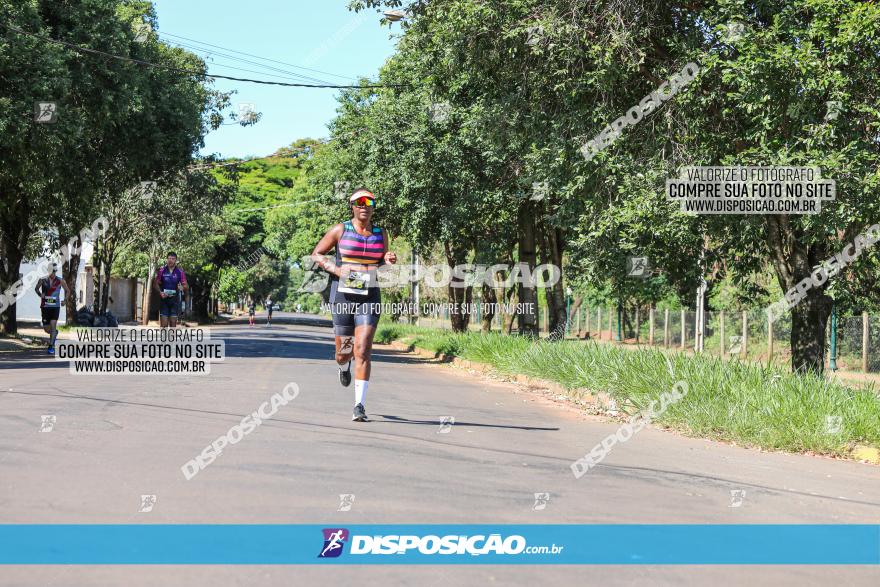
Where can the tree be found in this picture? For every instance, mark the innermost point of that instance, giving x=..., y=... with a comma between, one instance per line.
x=44, y=162
x=764, y=99
x=117, y=123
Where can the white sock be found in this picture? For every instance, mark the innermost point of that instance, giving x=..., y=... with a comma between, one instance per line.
x=360, y=390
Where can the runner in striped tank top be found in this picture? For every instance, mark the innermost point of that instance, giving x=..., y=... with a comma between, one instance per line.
x=355, y=298
x=49, y=289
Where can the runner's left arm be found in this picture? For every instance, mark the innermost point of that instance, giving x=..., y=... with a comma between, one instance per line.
x=183, y=282
x=388, y=257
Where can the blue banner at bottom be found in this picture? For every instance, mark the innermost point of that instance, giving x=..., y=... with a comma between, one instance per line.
x=270, y=544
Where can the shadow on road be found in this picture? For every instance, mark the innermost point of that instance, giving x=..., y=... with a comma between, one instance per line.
x=242, y=342
x=399, y=420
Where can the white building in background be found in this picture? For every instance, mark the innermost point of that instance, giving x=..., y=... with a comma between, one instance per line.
x=28, y=306
x=125, y=294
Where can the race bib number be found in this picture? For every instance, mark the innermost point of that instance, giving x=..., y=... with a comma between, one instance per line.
x=356, y=282
x=51, y=300
x=170, y=292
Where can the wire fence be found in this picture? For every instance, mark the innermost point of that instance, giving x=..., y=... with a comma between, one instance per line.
x=747, y=334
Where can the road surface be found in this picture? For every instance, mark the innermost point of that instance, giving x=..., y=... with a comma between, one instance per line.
x=117, y=438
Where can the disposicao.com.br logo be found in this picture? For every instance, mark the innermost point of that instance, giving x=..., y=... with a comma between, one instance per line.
x=431, y=544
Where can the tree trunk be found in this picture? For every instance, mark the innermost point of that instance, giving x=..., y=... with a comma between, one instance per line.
x=13, y=239
x=808, y=322
x=489, y=297
x=627, y=325
x=9, y=266
x=148, y=296
x=573, y=311
x=794, y=261
x=459, y=316
x=551, y=254
x=109, y=258
x=96, y=277
x=69, y=274
x=527, y=321
x=200, y=294
x=510, y=300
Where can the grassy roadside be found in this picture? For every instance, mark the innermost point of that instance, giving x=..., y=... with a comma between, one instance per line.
x=745, y=403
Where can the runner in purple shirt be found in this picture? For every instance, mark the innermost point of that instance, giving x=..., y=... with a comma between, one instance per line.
x=170, y=281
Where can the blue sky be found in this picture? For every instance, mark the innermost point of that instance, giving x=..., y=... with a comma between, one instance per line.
x=318, y=34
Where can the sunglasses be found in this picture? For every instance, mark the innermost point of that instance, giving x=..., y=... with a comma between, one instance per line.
x=364, y=202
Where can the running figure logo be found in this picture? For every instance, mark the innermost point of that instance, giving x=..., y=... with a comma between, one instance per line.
x=735, y=344
x=446, y=423
x=541, y=500
x=638, y=267
x=147, y=503
x=45, y=112
x=48, y=423
x=334, y=540
x=346, y=500
x=833, y=424
x=736, y=497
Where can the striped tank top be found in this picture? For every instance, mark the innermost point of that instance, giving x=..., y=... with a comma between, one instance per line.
x=362, y=250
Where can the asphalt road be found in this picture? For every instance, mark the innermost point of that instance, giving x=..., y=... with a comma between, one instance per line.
x=116, y=438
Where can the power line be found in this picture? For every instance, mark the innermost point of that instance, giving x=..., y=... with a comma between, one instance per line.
x=209, y=53
x=257, y=56
x=90, y=51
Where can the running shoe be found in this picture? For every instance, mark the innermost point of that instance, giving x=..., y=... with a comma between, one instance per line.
x=50, y=350
x=345, y=376
x=359, y=414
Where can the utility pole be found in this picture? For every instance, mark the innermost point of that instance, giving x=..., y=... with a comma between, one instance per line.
x=415, y=286
x=700, y=330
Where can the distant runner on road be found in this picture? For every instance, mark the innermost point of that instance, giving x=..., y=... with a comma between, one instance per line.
x=170, y=281
x=355, y=302
x=269, y=309
x=49, y=289
x=252, y=310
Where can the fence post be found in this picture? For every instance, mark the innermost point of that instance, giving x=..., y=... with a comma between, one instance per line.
x=832, y=362
x=769, y=340
x=599, y=323
x=578, y=332
x=610, y=324
x=721, y=329
x=651, y=326
x=638, y=324
x=546, y=320
x=864, y=342
x=745, y=336
x=683, y=328
x=588, y=322
x=666, y=328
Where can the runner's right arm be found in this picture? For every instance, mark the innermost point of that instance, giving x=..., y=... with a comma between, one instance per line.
x=156, y=285
x=324, y=246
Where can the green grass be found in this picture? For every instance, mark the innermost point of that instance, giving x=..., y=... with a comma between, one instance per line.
x=743, y=402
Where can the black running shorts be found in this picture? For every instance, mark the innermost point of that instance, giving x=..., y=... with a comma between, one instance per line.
x=351, y=310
